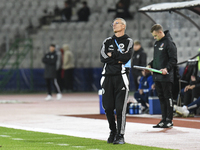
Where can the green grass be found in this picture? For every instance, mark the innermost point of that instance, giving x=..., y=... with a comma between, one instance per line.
x=14, y=139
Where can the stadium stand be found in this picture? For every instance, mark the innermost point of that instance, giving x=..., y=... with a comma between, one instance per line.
x=21, y=18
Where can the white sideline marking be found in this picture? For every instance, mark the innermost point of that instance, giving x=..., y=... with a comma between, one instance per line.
x=49, y=143
x=4, y=135
x=17, y=139
x=78, y=146
x=93, y=149
x=63, y=144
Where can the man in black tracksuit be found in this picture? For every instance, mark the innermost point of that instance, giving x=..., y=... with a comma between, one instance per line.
x=164, y=59
x=50, y=60
x=139, y=58
x=114, y=82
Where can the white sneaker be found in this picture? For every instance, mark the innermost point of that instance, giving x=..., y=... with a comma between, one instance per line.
x=48, y=98
x=59, y=96
x=182, y=110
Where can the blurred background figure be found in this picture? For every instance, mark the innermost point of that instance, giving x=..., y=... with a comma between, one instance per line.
x=122, y=9
x=146, y=89
x=84, y=12
x=139, y=59
x=66, y=13
x=50, y=60
x=59, y=67
x=68, y=67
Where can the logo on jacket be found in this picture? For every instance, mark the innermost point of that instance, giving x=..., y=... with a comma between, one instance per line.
x=138, y=56
x=111, y=48
x=52, y=56
x=121, y=45
x=161, y=46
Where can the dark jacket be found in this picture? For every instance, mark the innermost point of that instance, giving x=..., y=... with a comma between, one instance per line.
x=67, y=13
x=50, y=60
x=111, y=64
x=196, y=83
x=83, y=14
x=139, y=58
x=165, y=56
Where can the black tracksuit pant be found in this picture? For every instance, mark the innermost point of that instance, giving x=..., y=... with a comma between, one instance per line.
x=68, y=78
x=55, y=83
x=164, y=90
x=114, y=96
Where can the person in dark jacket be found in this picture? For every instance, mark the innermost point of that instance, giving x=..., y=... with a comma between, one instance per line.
x=84, y=12
x=164, y=59
x=139, y=58
x=66, y=12
x=191, y=91
x=50, y=60
x=116, y=51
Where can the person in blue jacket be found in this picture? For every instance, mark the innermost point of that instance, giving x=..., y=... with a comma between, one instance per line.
x=145, y=90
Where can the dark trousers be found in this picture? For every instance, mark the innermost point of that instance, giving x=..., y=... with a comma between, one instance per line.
x=190, y=95
x=136, y=83
x=194, y=105
x=49, y=84
x=164, y=91
x=144, y=98
x=60, y=79
x=114, y=97
x=68, y=78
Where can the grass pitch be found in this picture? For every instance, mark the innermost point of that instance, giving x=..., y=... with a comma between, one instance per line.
x=14, y=139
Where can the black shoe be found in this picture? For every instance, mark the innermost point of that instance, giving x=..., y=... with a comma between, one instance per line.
x=160, y=124
x=111, y=138
x=119, y=139
x=168, y=124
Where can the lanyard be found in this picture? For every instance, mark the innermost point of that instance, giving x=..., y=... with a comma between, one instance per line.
x=128, y=64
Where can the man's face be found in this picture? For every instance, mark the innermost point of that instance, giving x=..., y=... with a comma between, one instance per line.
x=51, y=49
x=118, y=26
x=157, y=35
x=136, y=47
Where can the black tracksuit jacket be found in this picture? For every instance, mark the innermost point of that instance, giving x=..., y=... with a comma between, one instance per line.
x=112, y=66
x=50, y=60
x=165, y=56
x=139, y=58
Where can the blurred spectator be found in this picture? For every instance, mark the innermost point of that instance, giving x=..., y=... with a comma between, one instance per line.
x=188, y=109
x=50, y=60
x=126, y=3
x=66, y=13
x=68, y=67
x=122, y=9
x=46, y=18
x=84, y=12
x=59, y=67
x=145, y=90
x=139, y=59
x=191, y=92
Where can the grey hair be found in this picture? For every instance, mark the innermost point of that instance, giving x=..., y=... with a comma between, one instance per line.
x=122, y=20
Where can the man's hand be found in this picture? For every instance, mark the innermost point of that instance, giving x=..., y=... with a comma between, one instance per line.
x=192, y=87
x=193, y=78
x=109, y=54
x=189, y=87
x=120, y=62
x=186, y=88
x=153, y=86
x=141, y=91
x=164, y=71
